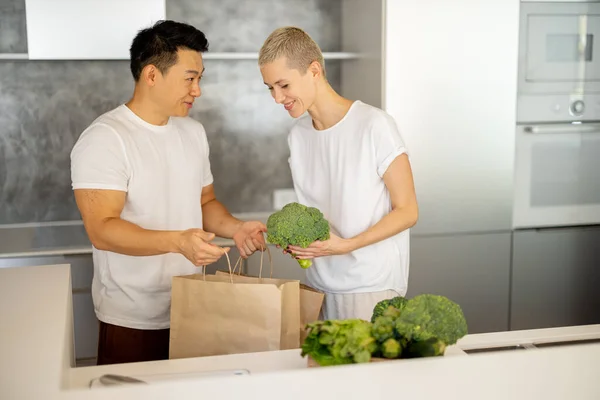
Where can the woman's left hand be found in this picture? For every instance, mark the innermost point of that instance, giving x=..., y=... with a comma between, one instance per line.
x=335, y=245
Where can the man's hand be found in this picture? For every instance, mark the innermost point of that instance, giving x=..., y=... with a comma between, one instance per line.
x=195, y=245
x=332, y=247
x=249, y=238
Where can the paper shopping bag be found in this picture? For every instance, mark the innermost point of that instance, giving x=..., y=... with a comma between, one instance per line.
x=221, y=314
x=311, y=300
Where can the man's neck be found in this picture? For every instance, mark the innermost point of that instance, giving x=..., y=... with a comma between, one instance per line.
x=329, y=108
x=146, y=110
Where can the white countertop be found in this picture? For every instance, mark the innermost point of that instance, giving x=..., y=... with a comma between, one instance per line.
x=68, y=238
x=37, y=357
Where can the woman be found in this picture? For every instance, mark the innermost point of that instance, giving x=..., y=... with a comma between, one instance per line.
x=348, y=159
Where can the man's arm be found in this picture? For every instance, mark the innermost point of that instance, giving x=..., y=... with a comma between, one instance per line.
x=101, y=211
x=248, y=236
x=215, y=217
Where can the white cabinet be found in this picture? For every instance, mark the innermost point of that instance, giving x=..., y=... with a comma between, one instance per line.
x=84, y=318
x=87, y=29
x=451, y=84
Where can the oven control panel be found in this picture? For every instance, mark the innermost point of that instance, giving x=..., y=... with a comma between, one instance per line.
x=558, y=108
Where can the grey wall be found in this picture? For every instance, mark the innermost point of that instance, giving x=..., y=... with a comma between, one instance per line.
x=45, y=105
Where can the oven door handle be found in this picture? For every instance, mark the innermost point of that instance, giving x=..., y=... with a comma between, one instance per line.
x=578, y=128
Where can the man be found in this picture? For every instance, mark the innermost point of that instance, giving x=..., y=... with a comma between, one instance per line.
x=348, y=159
x=143, y=184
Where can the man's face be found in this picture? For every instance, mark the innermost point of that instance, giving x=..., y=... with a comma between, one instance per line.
x=176, y=90
x=289, y=87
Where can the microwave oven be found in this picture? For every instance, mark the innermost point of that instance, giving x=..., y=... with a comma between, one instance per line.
x=559, y=60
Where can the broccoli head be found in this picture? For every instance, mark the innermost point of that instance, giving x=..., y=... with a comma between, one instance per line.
x=397, y=302
x=297, y=225
x=391, y=348
x=427, y=317
x=431, y=347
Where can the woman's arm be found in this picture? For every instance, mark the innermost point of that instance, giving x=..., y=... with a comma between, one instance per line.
x=399, y=181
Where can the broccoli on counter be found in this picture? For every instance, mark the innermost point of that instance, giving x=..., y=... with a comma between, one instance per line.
x=397, y=302
x=429, y=323
x=337, y=342
x=422, y=326
x=297, y=225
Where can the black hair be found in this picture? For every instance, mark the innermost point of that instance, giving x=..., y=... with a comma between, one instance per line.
x=158, y=45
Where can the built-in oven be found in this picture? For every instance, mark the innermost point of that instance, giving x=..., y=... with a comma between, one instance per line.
x=557, y=162
x=557, y=175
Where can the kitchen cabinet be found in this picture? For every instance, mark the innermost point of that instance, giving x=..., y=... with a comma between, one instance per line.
x=450, y=82
x=101, y=34
x=84, y=318
x=85, y=326
x=555, y=278
x=471, y=270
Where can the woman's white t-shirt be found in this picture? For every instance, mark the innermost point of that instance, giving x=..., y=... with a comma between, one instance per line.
x=340, y=171
x=163, y=170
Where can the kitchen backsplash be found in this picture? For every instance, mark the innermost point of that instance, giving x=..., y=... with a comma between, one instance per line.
x=45, y=105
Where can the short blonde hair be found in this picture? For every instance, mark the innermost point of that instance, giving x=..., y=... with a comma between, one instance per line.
x=294, y=44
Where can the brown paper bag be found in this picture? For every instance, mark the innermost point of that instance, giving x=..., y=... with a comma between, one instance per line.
x=223, y=314
x=311, y=300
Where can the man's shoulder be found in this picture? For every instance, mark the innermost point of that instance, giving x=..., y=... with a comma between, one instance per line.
x=189, y=124
x=112, y=120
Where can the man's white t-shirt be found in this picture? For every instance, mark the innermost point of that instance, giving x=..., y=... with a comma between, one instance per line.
x=340, y=171
x=163, y=170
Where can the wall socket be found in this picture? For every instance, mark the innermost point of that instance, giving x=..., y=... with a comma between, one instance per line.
x=281, y=197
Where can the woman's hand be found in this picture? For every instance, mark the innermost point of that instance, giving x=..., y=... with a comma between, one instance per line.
x=332, y=247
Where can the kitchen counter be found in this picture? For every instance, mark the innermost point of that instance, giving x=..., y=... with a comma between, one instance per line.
x=37, y=361
x=67, y=238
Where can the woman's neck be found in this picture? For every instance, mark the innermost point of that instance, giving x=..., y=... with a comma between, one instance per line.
x=329, y=108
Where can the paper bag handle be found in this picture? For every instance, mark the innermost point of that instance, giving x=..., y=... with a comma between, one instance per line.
x=240, y=263
x=261, y=262
x=228, y=264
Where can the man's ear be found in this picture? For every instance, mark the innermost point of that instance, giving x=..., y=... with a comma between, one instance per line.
x=150, y=75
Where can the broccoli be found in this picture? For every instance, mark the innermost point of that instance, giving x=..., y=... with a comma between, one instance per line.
x=397, y=302
x=384, y=325
x=297, y=225
x=391, y=348
x=336, y=342
x=429, y=323
x=425, y=348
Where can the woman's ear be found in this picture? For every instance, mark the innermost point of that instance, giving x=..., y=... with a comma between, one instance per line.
x=315, y=69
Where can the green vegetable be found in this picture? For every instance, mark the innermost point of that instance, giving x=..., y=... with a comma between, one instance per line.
x=397, y=302
x=297, y=225
x=422, y=326
x=384, y=325
x=391, y=348
x=429, y=323
x=336, y=342
x=426, y=348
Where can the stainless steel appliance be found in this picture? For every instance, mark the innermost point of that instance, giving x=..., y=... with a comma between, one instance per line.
x=556, y=204
x=557, y=165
